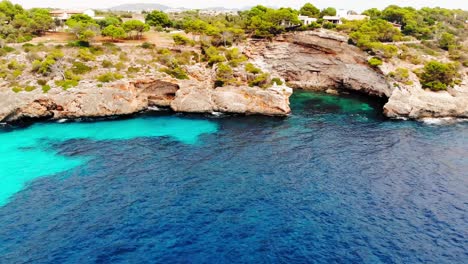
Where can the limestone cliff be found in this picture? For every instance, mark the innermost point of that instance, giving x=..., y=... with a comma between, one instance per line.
x=132, y=96
x=318, y=61
x=323, y=60
x=192, y=97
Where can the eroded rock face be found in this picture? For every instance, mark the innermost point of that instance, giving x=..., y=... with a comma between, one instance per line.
x=128, y=97
x=87, y=100
x=323, y=61
x=158, y=92
x=74, y=103
x=416, y=103
x=201, y=98
x=319, y=61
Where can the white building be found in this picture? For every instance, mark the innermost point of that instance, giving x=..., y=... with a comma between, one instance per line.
x=305, y=20
x=332, y=19
x=344, y=15
x=356, y=17
x=64, y=15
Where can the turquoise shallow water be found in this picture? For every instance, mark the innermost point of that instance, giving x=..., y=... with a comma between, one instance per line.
x=334, y=182
x=27, y=154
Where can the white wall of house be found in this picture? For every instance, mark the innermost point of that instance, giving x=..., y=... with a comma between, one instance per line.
x=307, y=20
x=90, y=13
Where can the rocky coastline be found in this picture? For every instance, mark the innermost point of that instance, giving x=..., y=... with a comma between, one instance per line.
x=315, y=60
x=133, y=96
x=323, y=61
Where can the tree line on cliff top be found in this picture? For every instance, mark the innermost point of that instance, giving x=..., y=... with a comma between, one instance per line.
x=19, y=25
x=447, y=28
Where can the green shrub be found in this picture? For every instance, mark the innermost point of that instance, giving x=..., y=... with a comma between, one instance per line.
x=438, y=76
x=27, y=47
x=17, y=89
x=235, y=57
x=67, y=84
x=277, y=81
x=30, y=88
x=314, y=25
x=213, y=56
x=224, y=75
x=185, y=57
x=42, y=82
x=107, y=64
x=261, y=80
x=79, y=44
x=33, y=56
x=148, y=45
x=375, y=62
x=328, y=25
x=96, y=50
x=120, y=66
x=8, y=49
x=176, y=72
x=15, y=65
x=123, y=56
x=3, y=73
x=250, y=68
x=446, y=40
x=86, y=55
x=401, y=75
x=164, y=51
x=17, y=73
x=133, y=70
x=180, y=39
x=166, y=58
x=43, y=67
x=80, y=68
x=56, y=54
x=45, y=88
x=109, y=77
x=386, y=51
x=69, y=75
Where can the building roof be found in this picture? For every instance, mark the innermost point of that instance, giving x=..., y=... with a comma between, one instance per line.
x=331, y=17
x=59, y=12
x=307, y=17
x=356, y=17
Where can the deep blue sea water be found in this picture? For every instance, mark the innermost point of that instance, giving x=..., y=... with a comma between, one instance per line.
x=333, y=183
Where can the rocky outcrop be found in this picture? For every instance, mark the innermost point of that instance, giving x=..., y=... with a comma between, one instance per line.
x=319, y=60
x=324, y=61
x=196, y=98
x=74, y=103
x=128, y=97
x=416, y=103
x=410, y=101
x=158, y=92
